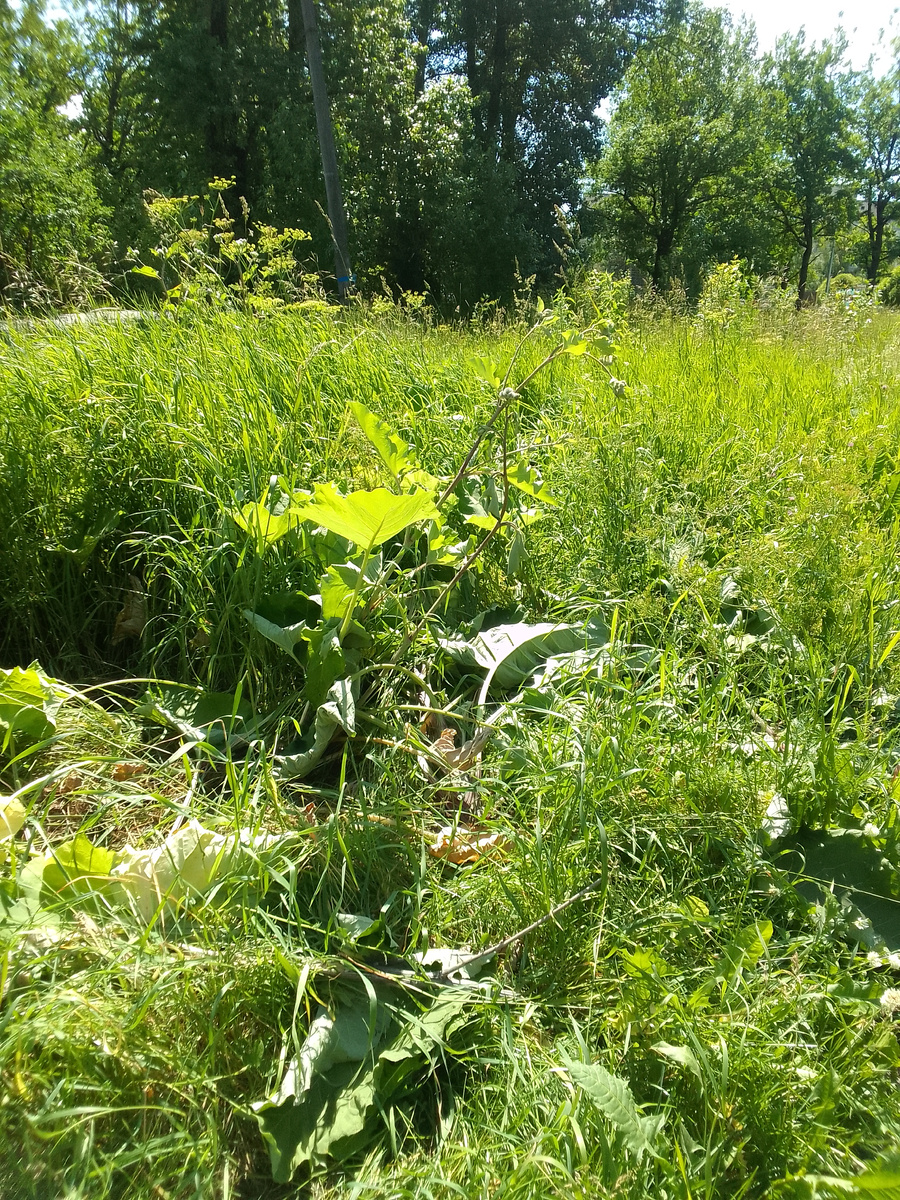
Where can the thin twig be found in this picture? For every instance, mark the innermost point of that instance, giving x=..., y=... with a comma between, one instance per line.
x=491, y=951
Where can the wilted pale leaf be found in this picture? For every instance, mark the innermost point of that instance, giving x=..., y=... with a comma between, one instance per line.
x=12, y=817
x=132, y=618
x=186, y=864
x=458, y=845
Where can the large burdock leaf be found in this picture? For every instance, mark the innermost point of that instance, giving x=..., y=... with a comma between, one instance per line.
x=264, y=526
x=75, y=868
x=287, y=637
x=512, y=653
x=338, y=712
x=355, y=1062
x=29, y=703
x=612, y=1096
x=214, y=718
x=392, y=450
x=366, y=518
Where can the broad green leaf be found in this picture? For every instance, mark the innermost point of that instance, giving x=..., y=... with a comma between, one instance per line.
x=683, y=1055
x=12, y=816
x=845, y=864
x=613, y=1098
x=352, y=1065
x=423, y=480
x=573, y=342
x=486, y=369
x=354, y=925
x=640, y=962
x=442, y=550
x=517, y=555
x=210, y=717
x=366, y=518
x=77, y=866
x=338, y=712
x=144, y=270
x=336, y=593
x=29, y=703
x=885, y=1184
x=478, y=505
x=263, y=526
x=325, y=663
x=286, y=637
x=527, y=478
x=81, y=544
x=392, y=449
x=745, y=950
x=341, y=583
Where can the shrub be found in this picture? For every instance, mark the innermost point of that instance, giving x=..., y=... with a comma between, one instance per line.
x=889, y=290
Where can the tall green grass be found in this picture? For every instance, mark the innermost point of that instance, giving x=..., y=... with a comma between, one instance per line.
x=749, y=470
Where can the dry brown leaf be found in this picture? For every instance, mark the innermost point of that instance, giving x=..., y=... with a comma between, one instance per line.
x=445, y=743
x=131, y=620
x=71, y=783
x=122, y=771
x=459, y=845
x=468, y=754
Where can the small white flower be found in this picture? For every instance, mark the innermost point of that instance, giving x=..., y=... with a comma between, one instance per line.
x=870, y=830
x=873, y=958
x=890, y=1000
x=894, y=961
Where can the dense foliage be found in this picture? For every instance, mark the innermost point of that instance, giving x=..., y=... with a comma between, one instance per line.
x=466, y=134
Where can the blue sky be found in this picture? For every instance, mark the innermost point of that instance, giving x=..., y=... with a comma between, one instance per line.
x=862, y=21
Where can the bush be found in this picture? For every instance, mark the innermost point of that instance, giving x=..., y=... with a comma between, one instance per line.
x=889, y=289
x=845, y=282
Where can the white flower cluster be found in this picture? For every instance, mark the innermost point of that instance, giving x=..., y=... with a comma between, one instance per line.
x=876, y=959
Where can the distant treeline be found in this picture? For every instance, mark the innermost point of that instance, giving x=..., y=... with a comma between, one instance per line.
x=472, y=146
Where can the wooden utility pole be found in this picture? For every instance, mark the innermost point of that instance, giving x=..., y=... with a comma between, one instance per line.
x=333, y=196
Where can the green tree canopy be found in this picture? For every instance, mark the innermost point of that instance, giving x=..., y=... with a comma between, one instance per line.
x=682, y=128
x=809, y=161
x=49, y=208
x=877, y=124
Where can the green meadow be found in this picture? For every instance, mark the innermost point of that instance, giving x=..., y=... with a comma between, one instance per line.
x=451, y=761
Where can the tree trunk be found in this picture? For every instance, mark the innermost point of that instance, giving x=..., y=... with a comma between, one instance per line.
x=804, y=262
x=876, y=239
x=333, y=194
x=665, y=240
x=422, y=23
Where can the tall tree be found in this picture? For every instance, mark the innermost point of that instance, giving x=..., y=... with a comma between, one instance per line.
x=536, y=73
x=807, y=121
x=683, y=126
x=877, y=122
x=50, y=214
